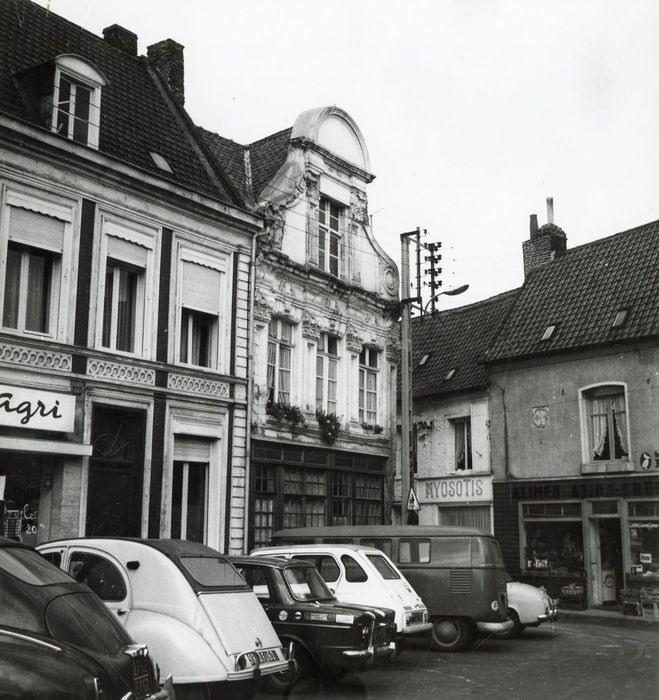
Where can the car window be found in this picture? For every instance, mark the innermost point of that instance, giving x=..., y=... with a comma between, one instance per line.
x=415, y=550
x=354, y=572
x=383, y=567
x=100, y=574
x=257, y=580
x=377, y=542
x=305, y=583
x=54, y=558
x=213, y=572
x=30, y=567
x=82, y=620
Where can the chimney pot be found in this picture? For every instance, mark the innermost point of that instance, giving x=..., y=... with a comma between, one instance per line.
x=120, y=38
x=534, y=225
x=167, y=58
x=550, y=210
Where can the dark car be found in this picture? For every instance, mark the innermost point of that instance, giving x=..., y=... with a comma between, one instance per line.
x=320, y=633
x=58, y=640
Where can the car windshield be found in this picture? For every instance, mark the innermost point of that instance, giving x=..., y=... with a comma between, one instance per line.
x=305, y=583
x=30, y=567
x=82, y=620
x=213, y=572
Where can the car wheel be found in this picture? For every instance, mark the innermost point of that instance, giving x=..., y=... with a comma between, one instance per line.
x=516, y=629
x=452, y=633
x=301, y=666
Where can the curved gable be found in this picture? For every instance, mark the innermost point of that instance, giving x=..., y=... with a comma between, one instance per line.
x=335, y=130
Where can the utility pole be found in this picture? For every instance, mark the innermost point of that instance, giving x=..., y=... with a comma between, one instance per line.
x=406, y=358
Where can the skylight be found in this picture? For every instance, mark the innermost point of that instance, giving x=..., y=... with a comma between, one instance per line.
x=160, y=162
x=424, y=359
x=620, y=318
x=549, y=332
x=450, y=373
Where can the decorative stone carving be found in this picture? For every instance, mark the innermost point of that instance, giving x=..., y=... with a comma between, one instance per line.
x=262, y=310
x=102, y=369
x=198, y=385
x=310, y=327
x=33, y=357
x=392, y=353
x=353, y=341
x=358, y=206
x=312, y=182
x=273, y=233
x=389, y=279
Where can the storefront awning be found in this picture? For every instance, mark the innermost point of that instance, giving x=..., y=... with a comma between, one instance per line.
x=51, y=446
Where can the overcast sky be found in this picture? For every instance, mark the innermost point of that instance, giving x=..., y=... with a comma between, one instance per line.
x=474, y=111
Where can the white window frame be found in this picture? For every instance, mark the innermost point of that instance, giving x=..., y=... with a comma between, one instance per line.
x=79, y=73
x=326, y=233
x=585, y=399
x=279, y=342
x=323, y=380
x=218, y=262
x=366, y=370
x=62, y=291
x=143, y=239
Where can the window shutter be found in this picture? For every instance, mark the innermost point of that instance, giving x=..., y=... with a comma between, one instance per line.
x=126, y=251
x=36, y=230
x=192, y=449
x=201, y=288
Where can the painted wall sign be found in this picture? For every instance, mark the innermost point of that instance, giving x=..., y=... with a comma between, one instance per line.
x=457, y=489
x=38, y=410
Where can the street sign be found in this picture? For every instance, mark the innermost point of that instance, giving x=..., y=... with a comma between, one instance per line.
x=412, y=502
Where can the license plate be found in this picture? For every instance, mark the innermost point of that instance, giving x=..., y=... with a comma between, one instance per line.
x=141, y=677
x=267, y=655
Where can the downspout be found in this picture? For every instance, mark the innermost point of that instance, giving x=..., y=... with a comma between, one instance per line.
x=250, y=389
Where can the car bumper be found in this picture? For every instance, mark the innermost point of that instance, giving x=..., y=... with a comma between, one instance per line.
x=367, y=657
x=494, y=627
x=415, y=629
x=550, y=616
x=258, y=671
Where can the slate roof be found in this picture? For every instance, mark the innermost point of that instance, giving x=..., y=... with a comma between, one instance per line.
x=581, y=292
x=136, y=117
x=266, y=156
x=456, y=339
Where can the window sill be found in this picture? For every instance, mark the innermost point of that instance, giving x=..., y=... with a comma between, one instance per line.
x=607, y=467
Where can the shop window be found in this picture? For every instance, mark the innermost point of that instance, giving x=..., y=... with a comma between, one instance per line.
x=606, y=426
x=368, y=500
x=462, y=444
x=200, y=302
x=554, y=546
x=329, y=236
x=304, y=498
x=368, y=385
x=264, y=502
x=33, y=280
x=644, y=541
x=280, y=354
x=125, y=295
x=327, y=369
x=466, y=516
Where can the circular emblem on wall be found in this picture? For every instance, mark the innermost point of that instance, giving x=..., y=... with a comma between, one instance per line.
x=390, y=280
x=541, y=416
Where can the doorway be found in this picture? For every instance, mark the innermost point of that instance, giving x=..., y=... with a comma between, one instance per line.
x=606, y=567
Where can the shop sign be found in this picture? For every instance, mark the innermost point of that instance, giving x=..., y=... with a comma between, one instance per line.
x=618, y=488
x=455, y=489
x=39, y=410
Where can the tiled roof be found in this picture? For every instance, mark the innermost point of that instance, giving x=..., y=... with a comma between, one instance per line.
x=266, y=156
x=456, y=340
x=136, y=118
x=581, y=292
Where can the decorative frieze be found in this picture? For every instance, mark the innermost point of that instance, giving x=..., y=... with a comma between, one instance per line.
x=118, y=371
x=198, y=385
x=35, y=357
x=353, y=341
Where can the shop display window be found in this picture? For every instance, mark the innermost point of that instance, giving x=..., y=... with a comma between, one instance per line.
x=644, y=540
x=553, y=545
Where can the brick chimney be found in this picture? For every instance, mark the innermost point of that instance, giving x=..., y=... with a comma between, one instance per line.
x=121, y=39
x=167, y=58
x=545, y=243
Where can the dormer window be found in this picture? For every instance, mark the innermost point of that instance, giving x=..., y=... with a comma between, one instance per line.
x=65, y=97
x=329, y=236
x=620, y=318
x=549, y=332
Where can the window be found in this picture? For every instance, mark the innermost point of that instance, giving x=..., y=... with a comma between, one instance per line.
x=329, y=236
x=414, y=550
x=304, y=497
x=354, y=572
x=368, y=386
x=33, y=271
x=327, y=365
x=606, y=419
x=201, y=299
x=101, y=575
x=280, y=351
x=264, y=500
x=462, y=432
x=190, y=488
x=125, y=303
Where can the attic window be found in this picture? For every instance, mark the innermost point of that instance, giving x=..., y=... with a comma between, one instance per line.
x=450, y=373
x=424, y=359
x=549, y=332
x=160, y=162
x=620, y=318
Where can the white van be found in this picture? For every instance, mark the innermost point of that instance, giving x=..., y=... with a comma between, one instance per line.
x=363, y=575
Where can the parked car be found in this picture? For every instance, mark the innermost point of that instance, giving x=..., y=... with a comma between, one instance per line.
x=58, y=641
x=360, y=574
x=528, y=606
x=181, y=598
x=320, y=633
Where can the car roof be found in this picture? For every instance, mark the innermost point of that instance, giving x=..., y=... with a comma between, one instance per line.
x=171, y=547
x=6, y=542
x=324, y=546
x=275, y=562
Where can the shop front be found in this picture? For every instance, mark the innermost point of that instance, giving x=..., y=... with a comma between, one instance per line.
x=464, y=501
x=586, y=540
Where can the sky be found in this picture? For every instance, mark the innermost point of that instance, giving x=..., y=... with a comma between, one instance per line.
x=473, y=111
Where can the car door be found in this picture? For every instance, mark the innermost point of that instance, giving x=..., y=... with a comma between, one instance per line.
x=104, y=575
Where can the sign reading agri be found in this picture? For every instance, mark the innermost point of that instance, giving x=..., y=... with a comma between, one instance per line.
x=40, y=410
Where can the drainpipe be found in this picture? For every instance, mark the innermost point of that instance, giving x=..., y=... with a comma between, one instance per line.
x=250, y=388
